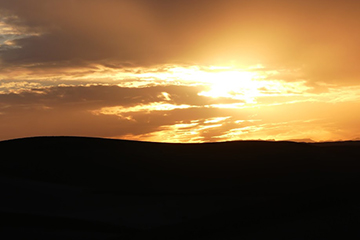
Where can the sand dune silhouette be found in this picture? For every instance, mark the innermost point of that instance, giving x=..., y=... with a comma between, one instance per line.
x=91, y=188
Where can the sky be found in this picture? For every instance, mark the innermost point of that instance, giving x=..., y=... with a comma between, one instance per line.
x=180, y=71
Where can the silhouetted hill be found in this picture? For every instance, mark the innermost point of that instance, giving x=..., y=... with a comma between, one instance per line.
x=90, y=188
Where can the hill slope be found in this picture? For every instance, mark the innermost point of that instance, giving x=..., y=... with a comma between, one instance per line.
x=89, y=188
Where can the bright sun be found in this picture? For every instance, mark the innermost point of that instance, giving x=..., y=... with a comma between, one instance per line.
x=233, y=84
x=224, y=82
x=245, y=85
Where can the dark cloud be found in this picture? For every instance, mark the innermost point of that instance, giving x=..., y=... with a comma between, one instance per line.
x=96, y=96
x=321, y=37
x=68, y=110
x=83, y=30
x=75, y=110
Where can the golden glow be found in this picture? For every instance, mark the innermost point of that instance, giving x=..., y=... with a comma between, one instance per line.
x=244, y=84
x=157, y=106
x=239, y=85
x=177, y=133
x=140, y=70
x=181, y=132
x=259, y=94
x=234, y=103
x=216, y=120
x=6, y=29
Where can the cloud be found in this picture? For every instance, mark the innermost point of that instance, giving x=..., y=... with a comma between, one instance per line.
x=95, y=96
x=82, y=31
x=323, y=41
x=77, y=110
x=61, y=62
x=183, y=115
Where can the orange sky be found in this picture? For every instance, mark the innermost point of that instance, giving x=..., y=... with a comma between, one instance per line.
x=180, y=71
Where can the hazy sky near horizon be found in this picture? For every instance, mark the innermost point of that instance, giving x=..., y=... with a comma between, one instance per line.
x=180, y=70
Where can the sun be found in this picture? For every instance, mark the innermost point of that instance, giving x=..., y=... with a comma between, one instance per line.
x=232, y=84
x=236, y=84
x=220, y=81
x=224, y=82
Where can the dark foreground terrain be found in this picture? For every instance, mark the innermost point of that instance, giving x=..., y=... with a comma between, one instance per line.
x=88, y=188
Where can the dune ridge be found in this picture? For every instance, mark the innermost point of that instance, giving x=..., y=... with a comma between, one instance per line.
x=92, y=188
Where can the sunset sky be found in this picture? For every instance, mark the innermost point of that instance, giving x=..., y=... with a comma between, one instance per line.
x=180, y=70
